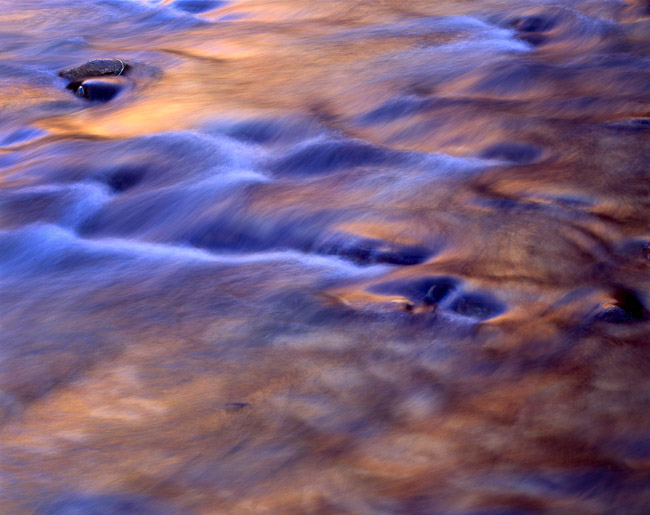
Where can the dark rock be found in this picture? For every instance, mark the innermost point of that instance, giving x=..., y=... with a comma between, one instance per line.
x=96, y=68
x=99, y=90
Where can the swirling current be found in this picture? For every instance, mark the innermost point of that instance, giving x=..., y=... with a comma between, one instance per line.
x=337, y=256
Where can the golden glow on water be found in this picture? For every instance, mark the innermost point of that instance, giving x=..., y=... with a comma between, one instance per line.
x=325, y=257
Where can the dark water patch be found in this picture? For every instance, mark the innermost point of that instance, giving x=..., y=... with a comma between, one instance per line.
x=520, y=153
x=165, y=159
x=542, y=22
x=513, y=77
x=234, y=407
x=99, y=90
x=478, y=305
x=509, y=204
x=21, y=135
x=427, y=290
x=197, y=6
x=527, y=506
x=626, y=307
x=66, y=205
x=10, y=407
x=615, y=315
x=632, y=447
x=230, y=230
x=635, y=250
x=21, y=207
x=331, y=156
x=269, y=131
x=589, y=482
x=308, y=233
x=533, y=39
x=631, y=125
x=370, y=251
x=571, y=201
x=395, y=109
x=109, y=504
x=124, y=178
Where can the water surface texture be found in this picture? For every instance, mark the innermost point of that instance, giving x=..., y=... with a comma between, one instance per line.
x=335, y=256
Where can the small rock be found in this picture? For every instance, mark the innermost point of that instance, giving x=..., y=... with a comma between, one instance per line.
x=99, y=90
x=95, y=68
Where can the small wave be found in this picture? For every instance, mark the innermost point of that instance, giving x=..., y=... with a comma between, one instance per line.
x=42, y=249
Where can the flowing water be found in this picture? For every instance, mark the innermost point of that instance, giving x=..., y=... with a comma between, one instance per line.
x=336, y=256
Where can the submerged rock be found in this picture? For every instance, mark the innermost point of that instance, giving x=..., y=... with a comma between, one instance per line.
x=99, y=90
x=95, y=68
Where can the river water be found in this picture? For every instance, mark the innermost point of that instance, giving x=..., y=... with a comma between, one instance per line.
x=343, y=256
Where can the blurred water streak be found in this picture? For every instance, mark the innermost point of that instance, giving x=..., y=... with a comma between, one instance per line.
x=325, y=257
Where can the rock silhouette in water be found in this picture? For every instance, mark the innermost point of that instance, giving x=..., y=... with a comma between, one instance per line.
x=95, y=68
x=99, y=90
x=96, y=80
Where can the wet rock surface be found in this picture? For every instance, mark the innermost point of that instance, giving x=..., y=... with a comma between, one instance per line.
x=96, y=68
x=99, y=80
